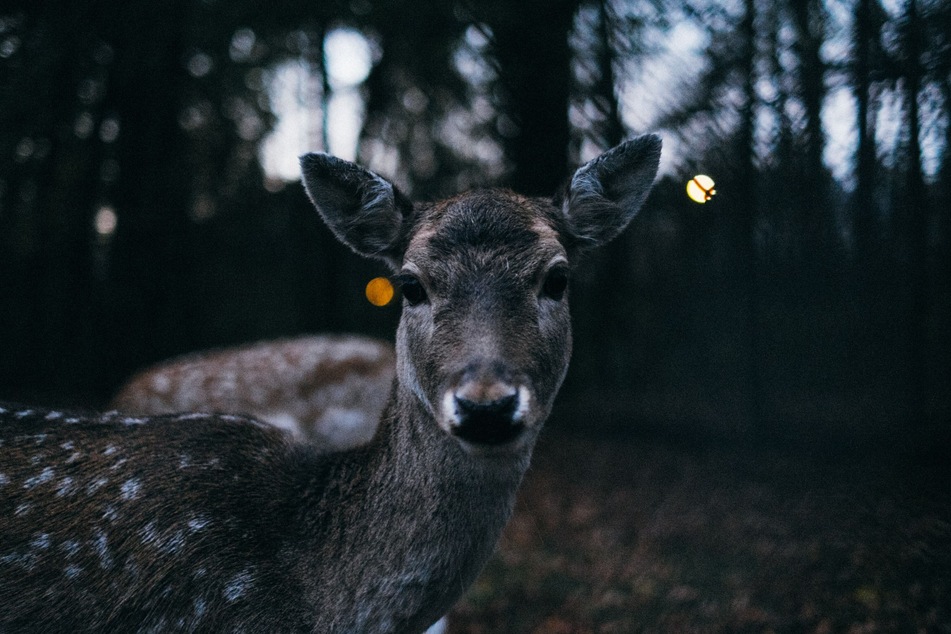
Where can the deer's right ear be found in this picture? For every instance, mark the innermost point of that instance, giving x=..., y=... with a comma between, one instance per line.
x=365, y=211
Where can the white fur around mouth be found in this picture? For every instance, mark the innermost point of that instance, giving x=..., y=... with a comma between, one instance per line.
x=524, y=404
x=450, y=410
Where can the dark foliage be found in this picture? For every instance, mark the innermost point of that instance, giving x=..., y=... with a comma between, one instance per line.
x=136, y=221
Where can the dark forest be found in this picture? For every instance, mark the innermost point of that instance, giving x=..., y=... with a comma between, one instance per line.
x=806, y=307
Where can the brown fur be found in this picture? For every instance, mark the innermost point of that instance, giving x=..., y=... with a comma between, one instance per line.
x=327, y=389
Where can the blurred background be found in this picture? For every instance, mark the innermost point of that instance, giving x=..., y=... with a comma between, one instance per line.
x=755, y=429
x=150, y=202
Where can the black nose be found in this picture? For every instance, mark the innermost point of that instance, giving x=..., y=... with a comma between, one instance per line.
x=487, y=422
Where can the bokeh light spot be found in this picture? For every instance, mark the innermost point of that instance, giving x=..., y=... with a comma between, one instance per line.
x=379, y=291
x=348, y=57
x=106, y=221
x=700, y=188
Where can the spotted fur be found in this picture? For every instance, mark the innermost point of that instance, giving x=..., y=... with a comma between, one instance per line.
x=329, y=390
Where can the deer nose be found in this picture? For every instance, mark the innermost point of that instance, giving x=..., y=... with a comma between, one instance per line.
x=487, y=415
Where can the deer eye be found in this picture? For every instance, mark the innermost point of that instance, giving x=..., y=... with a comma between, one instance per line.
x=412, y=289
x=556, y=283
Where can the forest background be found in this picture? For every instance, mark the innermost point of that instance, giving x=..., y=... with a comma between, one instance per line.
x=147, y=208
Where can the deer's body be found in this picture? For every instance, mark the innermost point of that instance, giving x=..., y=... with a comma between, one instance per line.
x=215, y=523
x=235, y=534
x=329, y=390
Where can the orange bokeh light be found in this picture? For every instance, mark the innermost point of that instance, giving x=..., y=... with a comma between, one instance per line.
x=379, y=291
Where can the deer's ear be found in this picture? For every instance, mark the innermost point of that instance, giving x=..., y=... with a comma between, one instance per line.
x=365, y=211
x=607, y=192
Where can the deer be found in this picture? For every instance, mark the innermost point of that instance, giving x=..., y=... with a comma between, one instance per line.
x=327, y=390
x=218, y=522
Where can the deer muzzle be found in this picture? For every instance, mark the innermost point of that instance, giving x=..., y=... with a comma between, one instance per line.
x=486, y=406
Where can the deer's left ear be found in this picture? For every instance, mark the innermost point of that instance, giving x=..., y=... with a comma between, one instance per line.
x=365, y=211
x=607, y=192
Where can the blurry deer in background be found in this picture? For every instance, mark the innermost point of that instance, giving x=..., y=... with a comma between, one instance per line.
x=217, y=523
x=328, y=390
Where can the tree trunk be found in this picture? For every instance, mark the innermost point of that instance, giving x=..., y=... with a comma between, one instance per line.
x=864, y=208
x=152, y=255
x=748, y=212
x=605, y=90
x=808, y=19
x=531, y=47
x=916, y=217
x=325, y=89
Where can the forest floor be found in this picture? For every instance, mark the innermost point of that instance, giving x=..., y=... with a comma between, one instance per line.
x=642, y=536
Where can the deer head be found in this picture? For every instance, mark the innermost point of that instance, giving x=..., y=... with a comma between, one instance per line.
x=484, y=339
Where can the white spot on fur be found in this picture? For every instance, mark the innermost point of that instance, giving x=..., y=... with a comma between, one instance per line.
x=101, y=546
x=54, y=416
x=161, y=383
x=200, y=608
x=4, y=479
x=198, y=523
x=23, y=509
x=195, y=416
x=174, y=543
x=45, y=476
x=96, y=484
x=70, y=547
x=238, y=586
x=130, y=489
x=118, y=463
x=184, y=461
x=149, y=535
x=109, y=513
x=39, y=439
x=24, y=560
x=72, y=571
x=65, y=487
x=76, y=455
x=285, y=421
x=68, y=445
x=40, y=542
x=349, y=420
x=134, y=421
x=109, y=450
x=23, y=413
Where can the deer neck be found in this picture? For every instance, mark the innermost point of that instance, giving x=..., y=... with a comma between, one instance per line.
x=435, y=482
x=438, y=509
